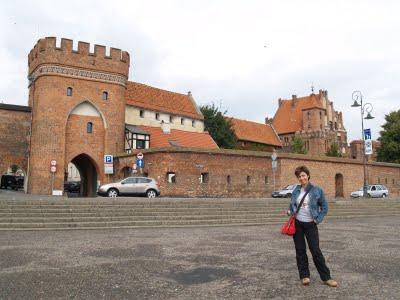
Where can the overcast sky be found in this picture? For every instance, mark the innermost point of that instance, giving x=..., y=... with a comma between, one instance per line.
x=240, y=55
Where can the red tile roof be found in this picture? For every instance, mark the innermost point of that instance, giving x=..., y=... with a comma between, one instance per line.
x=144, y=96
x=255, y=132
x=289, y=118
x=158, y=139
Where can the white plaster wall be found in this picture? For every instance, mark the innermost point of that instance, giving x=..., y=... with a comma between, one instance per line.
x=132, y=116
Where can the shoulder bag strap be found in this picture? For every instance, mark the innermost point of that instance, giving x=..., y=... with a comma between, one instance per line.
x=302, y=200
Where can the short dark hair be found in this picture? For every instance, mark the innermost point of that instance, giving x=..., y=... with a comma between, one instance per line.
x=302, y=169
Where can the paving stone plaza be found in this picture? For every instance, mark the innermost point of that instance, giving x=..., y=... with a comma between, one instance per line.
x=228, y=262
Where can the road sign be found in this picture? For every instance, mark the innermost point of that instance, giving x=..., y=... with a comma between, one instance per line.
x=108, y=169
x=368, y=147
x=139, y=155
x=53, y=162
x=367, y=134
x=53, y=169
x=140, y=163
x=108, y=159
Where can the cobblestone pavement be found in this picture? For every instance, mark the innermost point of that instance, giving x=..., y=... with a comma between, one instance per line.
x=253, y=262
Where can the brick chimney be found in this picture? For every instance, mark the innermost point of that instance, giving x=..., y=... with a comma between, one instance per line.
x=294, y=100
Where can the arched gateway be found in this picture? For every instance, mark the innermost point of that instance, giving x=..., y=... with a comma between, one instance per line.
x=88, y=172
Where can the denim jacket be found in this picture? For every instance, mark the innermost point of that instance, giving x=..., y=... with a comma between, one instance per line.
x=318, y=204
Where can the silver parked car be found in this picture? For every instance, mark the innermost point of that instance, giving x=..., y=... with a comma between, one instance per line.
x=373, y=191
x=286, y=192
x=138, y=186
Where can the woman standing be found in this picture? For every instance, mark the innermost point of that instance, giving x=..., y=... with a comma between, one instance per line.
x=311, y=213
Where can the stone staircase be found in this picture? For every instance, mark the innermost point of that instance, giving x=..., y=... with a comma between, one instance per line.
x=100, y=213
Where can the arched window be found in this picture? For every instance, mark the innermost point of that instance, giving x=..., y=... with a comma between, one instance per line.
x=248, y=179
x=89, y=127
x=228, y=179
x=105, y=95
x=69, y=91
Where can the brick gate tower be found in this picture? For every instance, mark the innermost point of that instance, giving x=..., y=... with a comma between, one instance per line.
x=78, y=112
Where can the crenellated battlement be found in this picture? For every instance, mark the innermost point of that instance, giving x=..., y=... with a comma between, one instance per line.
x=46, y=52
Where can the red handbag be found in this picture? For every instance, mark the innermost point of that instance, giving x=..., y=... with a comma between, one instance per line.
x=289, y=227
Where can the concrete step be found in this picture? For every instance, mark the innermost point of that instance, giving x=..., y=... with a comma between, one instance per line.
x=152, y=224
x=156, y=216
x=98, y=212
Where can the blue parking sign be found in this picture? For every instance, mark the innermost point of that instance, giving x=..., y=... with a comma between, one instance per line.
x=108, y=159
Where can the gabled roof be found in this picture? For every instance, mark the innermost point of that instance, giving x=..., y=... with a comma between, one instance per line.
x=255, y=132
x=178, y=138
x=289, y=116
x=147, y=97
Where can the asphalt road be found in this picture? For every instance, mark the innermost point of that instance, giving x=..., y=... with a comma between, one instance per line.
x=253, y=262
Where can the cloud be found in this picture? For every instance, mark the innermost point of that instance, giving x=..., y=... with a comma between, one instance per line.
x=242, y=55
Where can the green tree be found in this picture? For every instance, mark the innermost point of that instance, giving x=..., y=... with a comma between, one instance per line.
x=389, y=150
x=14, y=169
x=297, y=145
x=334, y=150
x=218, y=126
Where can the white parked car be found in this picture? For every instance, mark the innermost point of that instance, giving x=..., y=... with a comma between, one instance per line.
x=286, y=192
x=373, y=191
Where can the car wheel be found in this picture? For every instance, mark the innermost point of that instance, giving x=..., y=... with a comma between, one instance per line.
x=369, y=196
x=151, y=194
x=112, y=193
x=383, y=195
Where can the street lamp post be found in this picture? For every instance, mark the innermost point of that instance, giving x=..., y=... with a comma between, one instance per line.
x=365, y=108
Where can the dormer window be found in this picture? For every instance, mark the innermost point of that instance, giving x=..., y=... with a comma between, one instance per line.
x=141, y=113
x=69, y=91
x=193, y=123
x=157, y=116
x=105, y=95
x=182, y=121
x=171, y=119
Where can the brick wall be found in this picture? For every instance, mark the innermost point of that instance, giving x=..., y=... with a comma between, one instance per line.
x=189, y=164
x=14, y=137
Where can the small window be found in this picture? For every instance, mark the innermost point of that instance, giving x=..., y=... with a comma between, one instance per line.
x=171, y=177
x=157, y=116
x=170, y=119
x=228, y=179
x=143, y=180
x=69, y=91
x=266, y=180
x=105, y=95
x=193, y=123
x=89, y=127
x=308, y=115
x=182, y=121
x=204, y=178
x=248, y=179
x=386, y=181
x=140, y=144
x=129, y=180
x=141, y=113
x=393, y=180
